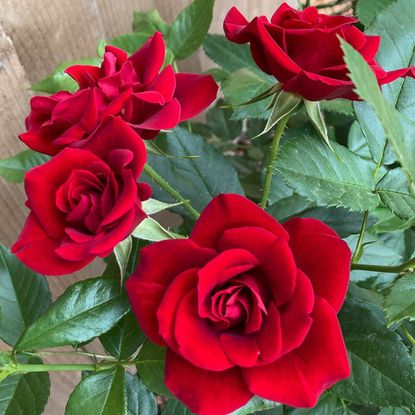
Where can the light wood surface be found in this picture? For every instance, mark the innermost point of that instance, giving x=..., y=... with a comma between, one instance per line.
x=37, y=35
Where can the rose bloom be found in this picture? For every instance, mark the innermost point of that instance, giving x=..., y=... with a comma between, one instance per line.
x=83, y=202
x=136, y=88
x=246, y=306
x=302, y=50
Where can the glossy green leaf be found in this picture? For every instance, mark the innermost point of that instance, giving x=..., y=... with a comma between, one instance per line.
x=190, y=27
x=394, y=192
x=149, y=22
x=129, y=42
x=367, y=10
x=140, y=401
x=152, y=206
x=24, y=296
x=338, y=106
x=24, y=394
x=58, y=80
x=242, y=86
x=124, y=338
x=382, y=372
x=228, y=55
x=174, y=407
x=395, y=26
x=14, y=168
x=325, y=177
x=151, y=230
x=85, y=310
x=122, y=254
x=256, y=404
x=150, y=365
x=399, y=302
x=101, y=393
x=197, y=179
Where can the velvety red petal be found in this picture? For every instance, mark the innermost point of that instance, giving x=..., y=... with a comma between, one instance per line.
x=242, y=350
x=228, y=211
x=42, y=183
x=166, y=312
x=295, y=316
x=149, y=59
x=165, y=83
x=233, y=26
x=160, y=263
x=114, y=133
x=85, y=75
x=36, y=250
x=322, y=256
x=301, y=376
x=41, y=140
x=195, y=93
x=203, y=391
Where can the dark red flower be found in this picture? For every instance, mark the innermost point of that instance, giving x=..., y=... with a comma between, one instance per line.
x=83, y=202
x=302, y=50
x=246, y=307
x=147, y=97
x=158, y=98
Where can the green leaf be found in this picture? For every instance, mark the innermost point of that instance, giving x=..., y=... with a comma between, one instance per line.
x=101, y=393
x=382, y=372
x=124, y=338
x=317, y=118
x=58, y=80
x=152, y=206
x=140, y=401
x=396, y=51
x=174, y=407
x=394, y=192
x=327, y=405
x=197, y=179
x=399, y=302
x=24, y=394
x=189, y=29
x=327, y=178
x=242, y=86
x=344, y=222
x=228, y=55
x=256, y=404
x=339, y=106
x=150, y=365
x=285, y=105
x=129, y=42
x=149, y=22
x=367, y=10
x=14, y=168
x=151, y=230
x=85, y=310
x=24, y=296
x=288, y=207
x=122, y=254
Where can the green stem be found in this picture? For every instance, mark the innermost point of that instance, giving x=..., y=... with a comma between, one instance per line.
x=272, y=157
x=405, y=268
x=408, y=335
x=174, y=193
x=69, y=353
x=64, y=367
x=359, y=247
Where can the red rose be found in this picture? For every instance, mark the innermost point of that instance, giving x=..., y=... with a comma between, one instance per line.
x=83, y=202
x=159, y=99
x=246, y=307
x=302, y=50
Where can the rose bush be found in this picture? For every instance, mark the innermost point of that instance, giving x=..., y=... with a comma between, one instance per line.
x=83, y=202
x=245, y=306
x=136, y=88
x=302, y=50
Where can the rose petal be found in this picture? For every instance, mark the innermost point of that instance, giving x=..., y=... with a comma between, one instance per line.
x=322, y=256
x=203, y=391
x=301, y=376
x=228, y=211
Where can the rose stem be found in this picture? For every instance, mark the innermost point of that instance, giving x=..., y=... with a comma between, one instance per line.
x=359, y=247
x=272, y=157
x=405, y=268
x=174, y=193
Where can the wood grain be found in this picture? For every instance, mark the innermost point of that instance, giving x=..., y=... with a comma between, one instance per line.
x=37, y=35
